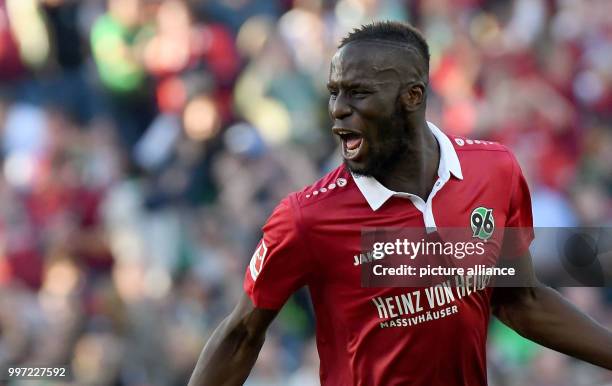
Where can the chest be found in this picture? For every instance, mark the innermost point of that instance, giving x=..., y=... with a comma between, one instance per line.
x=463, y=213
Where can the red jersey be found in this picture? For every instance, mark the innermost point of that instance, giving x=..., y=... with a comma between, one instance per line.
x=388, y=336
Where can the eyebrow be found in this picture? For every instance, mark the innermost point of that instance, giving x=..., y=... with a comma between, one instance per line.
x=357, y=84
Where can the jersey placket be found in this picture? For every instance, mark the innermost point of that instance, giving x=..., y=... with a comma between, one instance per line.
x=425, y=207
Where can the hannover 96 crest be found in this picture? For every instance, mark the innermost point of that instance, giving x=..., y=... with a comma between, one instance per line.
x=482, y=223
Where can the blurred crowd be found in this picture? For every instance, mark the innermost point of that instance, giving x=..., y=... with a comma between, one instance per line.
x=144, y=142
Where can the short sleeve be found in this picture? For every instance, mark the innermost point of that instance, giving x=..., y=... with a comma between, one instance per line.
x=280, y=264
x=519, y=221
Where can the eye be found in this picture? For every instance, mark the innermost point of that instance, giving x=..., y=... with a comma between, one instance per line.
x=333, y=93
x=359, y=93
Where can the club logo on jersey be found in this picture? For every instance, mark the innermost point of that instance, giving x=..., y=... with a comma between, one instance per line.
x=482, y=223
x=258, y=259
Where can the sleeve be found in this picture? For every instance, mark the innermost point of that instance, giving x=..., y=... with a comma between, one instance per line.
x=518, y=232
x=280, y=264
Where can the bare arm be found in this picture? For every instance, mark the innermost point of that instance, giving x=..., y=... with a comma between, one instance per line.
x=542, y=315
x=231, y=351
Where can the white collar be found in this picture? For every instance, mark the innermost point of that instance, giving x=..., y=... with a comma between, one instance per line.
x=376, y=194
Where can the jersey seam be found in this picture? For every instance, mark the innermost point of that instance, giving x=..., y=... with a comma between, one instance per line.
x=513, y=184
x=322, y=196
x=318, y=199
x=481, y=148
x=298, y=221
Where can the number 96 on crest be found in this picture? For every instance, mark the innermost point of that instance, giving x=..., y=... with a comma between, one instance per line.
x=482, y=223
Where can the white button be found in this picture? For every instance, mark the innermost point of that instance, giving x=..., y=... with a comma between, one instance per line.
x=315, y=192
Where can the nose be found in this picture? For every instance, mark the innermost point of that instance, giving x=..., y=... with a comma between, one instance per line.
x=338, y=107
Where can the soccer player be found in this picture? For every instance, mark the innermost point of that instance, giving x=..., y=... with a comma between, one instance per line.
x=399, y=171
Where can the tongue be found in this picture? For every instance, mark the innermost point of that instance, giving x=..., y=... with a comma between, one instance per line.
x=353, y=143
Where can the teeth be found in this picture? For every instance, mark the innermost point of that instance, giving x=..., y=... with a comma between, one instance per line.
x=351, y=153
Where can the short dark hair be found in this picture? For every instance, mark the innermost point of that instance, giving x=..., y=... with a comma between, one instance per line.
x=391, y=31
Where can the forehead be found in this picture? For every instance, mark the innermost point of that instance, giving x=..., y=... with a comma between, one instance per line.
x=370, y=61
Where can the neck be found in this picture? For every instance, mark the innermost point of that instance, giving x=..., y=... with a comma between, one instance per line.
x=416, y=171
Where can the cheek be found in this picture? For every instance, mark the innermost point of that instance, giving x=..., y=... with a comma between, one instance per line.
x=386, y=129
x=377, y=107
x=378, y=118
x=371, y=111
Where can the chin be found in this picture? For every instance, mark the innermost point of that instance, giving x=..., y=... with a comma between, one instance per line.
x=359, y=168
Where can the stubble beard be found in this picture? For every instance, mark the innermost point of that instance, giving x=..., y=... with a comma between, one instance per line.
x=393, y=144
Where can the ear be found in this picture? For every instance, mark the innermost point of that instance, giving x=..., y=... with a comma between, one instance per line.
x=413, y=96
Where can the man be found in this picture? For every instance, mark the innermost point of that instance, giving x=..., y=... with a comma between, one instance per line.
x=365, y=336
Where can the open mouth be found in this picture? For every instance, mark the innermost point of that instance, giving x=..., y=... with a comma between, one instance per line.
x=352, y=143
